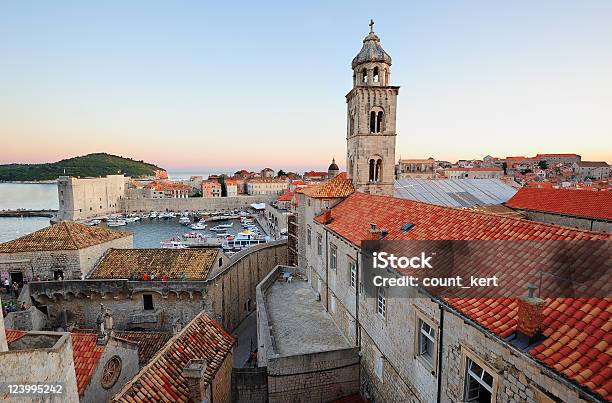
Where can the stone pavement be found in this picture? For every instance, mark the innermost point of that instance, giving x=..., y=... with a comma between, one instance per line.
x=246, y=340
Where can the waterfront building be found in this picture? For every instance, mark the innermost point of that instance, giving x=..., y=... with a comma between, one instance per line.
x=267, y=186
x=211, y=188
x=592, y=169
x=232, y=187
x=167, y=190
x=81, y=198
x=67, y=250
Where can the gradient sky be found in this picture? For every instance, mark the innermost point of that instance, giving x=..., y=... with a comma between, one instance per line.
x=194, y=85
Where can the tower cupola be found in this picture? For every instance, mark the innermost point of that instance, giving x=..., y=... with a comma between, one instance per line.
x=372, y=64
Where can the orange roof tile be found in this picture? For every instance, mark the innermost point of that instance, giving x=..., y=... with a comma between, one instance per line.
x=13, y=335
x=337, y=187
x=162, y=379
x=122, y=263
x=149, y=343
x=86, y=354
x=67, y=235
x=569, y=202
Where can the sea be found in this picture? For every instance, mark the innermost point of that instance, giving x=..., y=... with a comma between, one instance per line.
x=147, y=233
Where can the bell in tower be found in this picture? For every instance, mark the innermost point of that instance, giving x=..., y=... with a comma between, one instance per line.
x=371, y=114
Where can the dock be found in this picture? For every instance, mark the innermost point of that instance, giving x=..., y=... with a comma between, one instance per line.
x=28, y=213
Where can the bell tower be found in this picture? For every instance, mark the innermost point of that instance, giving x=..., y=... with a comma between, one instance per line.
x=372, y=104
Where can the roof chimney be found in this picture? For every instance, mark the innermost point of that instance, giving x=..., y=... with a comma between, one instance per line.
x=529, y=318
x=194, y=373
x=327, y=216
x=374, y=232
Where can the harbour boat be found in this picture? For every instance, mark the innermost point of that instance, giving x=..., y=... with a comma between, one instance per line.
x=184, y=220
x=222, y=227
x=193, y=235
x=245, y=239
x=92, y=222
x=116, y=223
x=153, y=214
x=198, y=225
x=172, y=244
x=224, y=235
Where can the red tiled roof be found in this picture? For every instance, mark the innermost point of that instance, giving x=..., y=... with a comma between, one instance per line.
x=578, y=333
x=315, y=173
x=337, y=187
x=13, y=335
x=562, y=201
x=149, y=343
x=287, y=196
x=67, y=235
x=86, y=354
x=474, y=169
x=162, y=379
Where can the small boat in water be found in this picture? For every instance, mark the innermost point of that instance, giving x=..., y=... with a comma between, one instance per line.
x=153, y=214
x=198, y=225
x=93, y=222
x=245, y=239
x=172, y=244
x=116, y=223
x=222, y=227
x=184, y=220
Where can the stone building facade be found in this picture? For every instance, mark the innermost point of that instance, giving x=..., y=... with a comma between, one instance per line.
x=67, y=249
x=371, y=116
x=81, y=198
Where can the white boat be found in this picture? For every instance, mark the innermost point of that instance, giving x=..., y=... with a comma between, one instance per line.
x=222, y=227
x=193, y=235
x=92, y=222
x=116, y=223
x=131, y=219
x=153, y=214
x=198, y=225
x=245, y=239
x=172, y=244
x=184, y=220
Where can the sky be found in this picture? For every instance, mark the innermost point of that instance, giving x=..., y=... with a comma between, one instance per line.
x=205, y=86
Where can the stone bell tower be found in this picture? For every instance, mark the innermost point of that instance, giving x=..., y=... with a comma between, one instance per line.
x=372, y=105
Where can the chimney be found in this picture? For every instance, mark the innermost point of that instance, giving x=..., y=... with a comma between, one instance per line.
x=529, y=318
x=101, y=324
x=194, y=373
x=374, y=232
x=327, y=216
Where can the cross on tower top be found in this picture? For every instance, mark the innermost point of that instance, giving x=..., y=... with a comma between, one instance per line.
x=371, y=24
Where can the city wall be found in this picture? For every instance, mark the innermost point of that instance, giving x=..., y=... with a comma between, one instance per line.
x=192, y=203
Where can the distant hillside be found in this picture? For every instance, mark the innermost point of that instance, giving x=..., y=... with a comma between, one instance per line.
x=98, y=164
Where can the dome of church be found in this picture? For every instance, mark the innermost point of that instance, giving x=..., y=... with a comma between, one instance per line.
x=333, y=166
x=371, y=51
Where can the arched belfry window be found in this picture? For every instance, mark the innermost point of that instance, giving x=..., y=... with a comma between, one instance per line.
x=379, y=120
x=375, y=173
x=372, y=122
x=376, y=74
x=364, y=75
x=371, y=173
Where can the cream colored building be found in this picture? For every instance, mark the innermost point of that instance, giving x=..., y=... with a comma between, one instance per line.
x=267, y=186
x=81, y=198
x=416, y=168
x=232, y=187
x=474, y=173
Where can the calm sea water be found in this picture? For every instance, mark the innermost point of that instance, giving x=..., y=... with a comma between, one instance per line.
x=147, y=233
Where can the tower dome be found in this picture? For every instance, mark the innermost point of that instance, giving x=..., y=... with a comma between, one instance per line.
x=371, y=51
x=333, y=169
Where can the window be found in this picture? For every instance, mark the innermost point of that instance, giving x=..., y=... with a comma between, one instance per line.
x=364, y=75
x=111, y=372
x=378, y=367
x=352, y=273
x=381, y=302
x=375, y=74
x=147, y=302
x=379, y=121
x=333, y=257
x=478, y=383
x=220, y=261
x=372, y=122
x=319, y=245
x=426, y=342
x=308, y=235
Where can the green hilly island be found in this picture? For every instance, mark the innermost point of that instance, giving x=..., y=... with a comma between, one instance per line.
x=98, y=164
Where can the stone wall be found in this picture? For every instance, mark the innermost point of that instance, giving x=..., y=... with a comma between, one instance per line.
x=317, y=377
x=30, y=319
x=572, y=222
x=222, y=383
x=47, y=365
x=193, y=203
x=81, y=198
x=250, y=385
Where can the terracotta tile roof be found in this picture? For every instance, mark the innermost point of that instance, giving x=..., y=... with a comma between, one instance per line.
x=149, y=343
x=315, y=174
x=162, y=379
x=286, y=196
x=592, y=164
x=67, y=235
x=337, y=187
x=123, y=263
x=578, y=332
x=13, y=335
x=562, y=201
x=86, y=354
x=474, y=169
x=557, y=155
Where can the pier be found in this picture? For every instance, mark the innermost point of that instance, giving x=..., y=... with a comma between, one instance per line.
x=28, y=213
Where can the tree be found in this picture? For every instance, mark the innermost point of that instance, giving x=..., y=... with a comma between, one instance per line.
x=505, y=167
x=223, y=186
x=281, y=173
x=543, y=164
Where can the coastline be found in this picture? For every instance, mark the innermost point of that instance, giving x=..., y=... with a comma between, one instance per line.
x=33, y=182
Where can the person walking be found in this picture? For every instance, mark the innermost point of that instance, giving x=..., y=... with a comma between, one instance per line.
x=7, y=285
x=164, y=278
x=16, y=289
x=23, y=306
x=184, y=277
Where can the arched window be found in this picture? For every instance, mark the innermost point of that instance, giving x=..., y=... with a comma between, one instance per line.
x=379, y=119
x=365, y=76
x=375, y=74
x=378, y=173
x=372, y=122
x=371, y=176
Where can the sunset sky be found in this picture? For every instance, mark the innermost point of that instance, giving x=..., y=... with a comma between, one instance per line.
x=205, y=86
